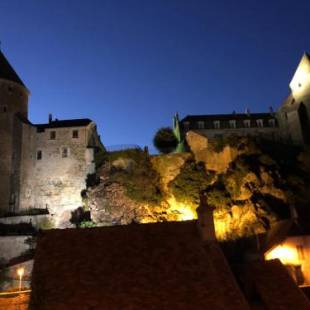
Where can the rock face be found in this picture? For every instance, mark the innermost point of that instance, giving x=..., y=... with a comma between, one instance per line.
x=203, y=151
x=248, y=188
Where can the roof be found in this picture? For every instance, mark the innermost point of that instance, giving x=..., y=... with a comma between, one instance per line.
x=138, y=266
x=65, y=123
x=7, y=72
x=275, y=287
x=227, y=117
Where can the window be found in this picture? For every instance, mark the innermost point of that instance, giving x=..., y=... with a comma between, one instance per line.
x=75, y=134
x=64, y=152
x=52, y=135
x=186, y=125
x=216, y=124
x=232, y=124
x=201, y=125
x=4, y=109
x=272, y=123
x=259, y=123
x=247, y=123
x=39, y=155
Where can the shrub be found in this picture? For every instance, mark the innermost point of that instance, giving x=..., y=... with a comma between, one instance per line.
x=191, y=180
x=142, y=184
x=87, y=224
x=165, y=140
x=218, y=196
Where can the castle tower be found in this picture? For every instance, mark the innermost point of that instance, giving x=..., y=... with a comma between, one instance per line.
x=294, y=114
x=13, y=111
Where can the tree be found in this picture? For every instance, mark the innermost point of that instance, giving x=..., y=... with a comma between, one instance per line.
x=165, y=140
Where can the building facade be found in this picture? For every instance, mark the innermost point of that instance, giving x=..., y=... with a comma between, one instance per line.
x=41, y=166
x=289, y=124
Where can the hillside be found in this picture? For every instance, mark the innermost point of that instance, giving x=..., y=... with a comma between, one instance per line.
x=251, y=185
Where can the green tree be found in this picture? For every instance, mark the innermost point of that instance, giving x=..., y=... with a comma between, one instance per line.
x=165, y=140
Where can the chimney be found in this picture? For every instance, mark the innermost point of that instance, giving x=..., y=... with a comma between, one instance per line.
x=205, y=219
x=50, y=118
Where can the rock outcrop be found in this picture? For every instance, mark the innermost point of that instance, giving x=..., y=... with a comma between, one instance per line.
x=249, y=189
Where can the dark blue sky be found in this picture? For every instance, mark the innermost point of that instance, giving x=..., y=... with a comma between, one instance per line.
x=130, y=65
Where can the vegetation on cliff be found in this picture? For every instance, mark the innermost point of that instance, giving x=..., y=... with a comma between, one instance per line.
x=191, y=180
x=133, y=170
x=249, y=187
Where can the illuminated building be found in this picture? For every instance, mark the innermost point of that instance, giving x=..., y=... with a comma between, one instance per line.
x=41, y=166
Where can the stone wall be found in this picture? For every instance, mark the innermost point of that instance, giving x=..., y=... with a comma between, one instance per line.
x=13, y=100
x=55, y=182
x=12, y=246
x=38, y=221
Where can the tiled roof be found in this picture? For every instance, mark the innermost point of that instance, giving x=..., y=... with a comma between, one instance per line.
x=275, y=286
x=227, y=117
x=65, y=123
x=146, y=266
x=7, y=72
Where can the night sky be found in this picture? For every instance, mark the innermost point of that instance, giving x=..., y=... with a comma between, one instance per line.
x=130, y=65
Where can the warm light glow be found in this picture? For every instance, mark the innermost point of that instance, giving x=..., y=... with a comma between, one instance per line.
x=301, y=79
x=287, y=255
x=183, y=211
x=20, y=272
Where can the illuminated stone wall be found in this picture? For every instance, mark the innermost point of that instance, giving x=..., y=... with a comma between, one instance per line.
x=55, y=182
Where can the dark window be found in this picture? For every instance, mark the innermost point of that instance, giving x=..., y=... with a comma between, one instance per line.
x=4, y=109
x=53, y=135
x=39, y=155
x=75, y=134
x=64, y=152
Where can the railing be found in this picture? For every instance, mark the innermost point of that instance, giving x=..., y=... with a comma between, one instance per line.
x=14, y=293
x=122, y=147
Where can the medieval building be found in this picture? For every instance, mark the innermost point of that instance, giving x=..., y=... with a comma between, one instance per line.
x=41, y=166
x=289, y=124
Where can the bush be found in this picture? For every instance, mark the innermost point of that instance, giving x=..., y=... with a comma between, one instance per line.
x=142, y=184
x=165, y=140
x=87, y=224
x=191, y=180
x=218, y=196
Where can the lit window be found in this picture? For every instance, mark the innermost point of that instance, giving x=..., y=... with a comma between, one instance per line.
x=39, y=155
x=247, y=123
x=201, y=125
x=216, y=124
x=65, y=152
x=53, y=135
x=232, y=124
x=259, y=123
x=75, y=134
x=272, y=123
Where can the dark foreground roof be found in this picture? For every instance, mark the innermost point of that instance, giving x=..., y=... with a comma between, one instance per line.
x=147, y=266
x=227, y=117
x=65, y=123
x=275, y=286
x=7, y=72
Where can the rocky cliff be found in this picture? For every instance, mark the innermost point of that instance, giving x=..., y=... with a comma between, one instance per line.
x=251, y=187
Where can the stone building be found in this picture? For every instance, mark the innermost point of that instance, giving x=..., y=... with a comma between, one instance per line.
x=289, y=124
x=45, y=165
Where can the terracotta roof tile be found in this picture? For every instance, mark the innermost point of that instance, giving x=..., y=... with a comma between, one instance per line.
x=149, y=266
